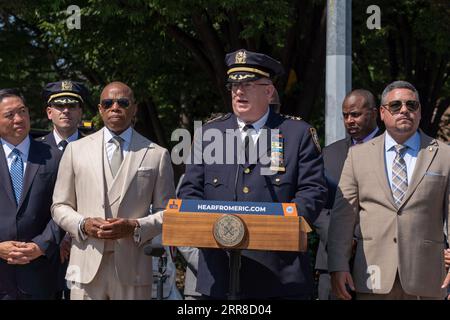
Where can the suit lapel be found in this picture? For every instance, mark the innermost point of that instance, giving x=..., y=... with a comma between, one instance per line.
x=50, y=139
x=427, y=152
x=137, y=151
x=5, y=176
x=36, y=158
x=379, y=166
x=95, y=159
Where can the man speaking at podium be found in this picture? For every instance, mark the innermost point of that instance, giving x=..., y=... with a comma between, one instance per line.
x=293, y=174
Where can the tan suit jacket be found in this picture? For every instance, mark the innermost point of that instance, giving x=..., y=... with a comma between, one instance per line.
x=143, y=182
x=409, y=239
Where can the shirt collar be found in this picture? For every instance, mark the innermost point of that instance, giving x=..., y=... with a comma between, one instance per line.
x=23, y=147
x=367, y=138
x=126, y=135
x=58, y=139
x=258, y=124
x=412, y=143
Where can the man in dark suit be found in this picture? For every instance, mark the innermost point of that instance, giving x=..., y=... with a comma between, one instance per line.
x=65, y=100
x=359, y=112
x=28, y=236
x=294, y=174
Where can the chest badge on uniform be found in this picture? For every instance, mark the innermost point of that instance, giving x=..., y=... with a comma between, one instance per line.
x=277, y=153
x=229, y=231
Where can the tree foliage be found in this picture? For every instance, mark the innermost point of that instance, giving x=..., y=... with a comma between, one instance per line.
x=172, y=52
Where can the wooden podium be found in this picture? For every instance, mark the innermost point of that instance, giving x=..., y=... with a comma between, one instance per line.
x=287, y=232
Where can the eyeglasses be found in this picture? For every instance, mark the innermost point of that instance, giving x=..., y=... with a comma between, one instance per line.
x=122, y=102
x=396, y=105
x=244, y=85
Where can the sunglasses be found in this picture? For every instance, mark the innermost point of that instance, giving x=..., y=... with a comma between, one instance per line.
x=396, y=105
x=122, y=102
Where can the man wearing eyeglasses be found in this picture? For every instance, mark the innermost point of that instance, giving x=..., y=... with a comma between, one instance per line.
x=64, y=108
x=107, y=184
x=393, y=195
x=294, y=174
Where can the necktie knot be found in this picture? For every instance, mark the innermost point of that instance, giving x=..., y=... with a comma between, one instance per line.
x=248, y=127
x=16, y=153
x=63, y=144
x=117, y=141
x=400, y=149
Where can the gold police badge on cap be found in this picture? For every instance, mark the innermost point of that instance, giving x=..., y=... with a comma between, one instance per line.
x=229, y=231
x=66, y=86
x=241, y=57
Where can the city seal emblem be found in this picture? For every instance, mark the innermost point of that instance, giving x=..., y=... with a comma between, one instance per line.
x=229, y=231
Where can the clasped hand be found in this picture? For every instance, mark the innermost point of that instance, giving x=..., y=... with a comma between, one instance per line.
x=16, y=252
x=113, y=228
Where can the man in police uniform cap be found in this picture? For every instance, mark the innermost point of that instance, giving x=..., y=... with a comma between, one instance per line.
x=64, y=101
x=296, y=175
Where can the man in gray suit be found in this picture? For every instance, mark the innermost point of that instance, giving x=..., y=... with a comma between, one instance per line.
x=360, y=120
x=393, y=197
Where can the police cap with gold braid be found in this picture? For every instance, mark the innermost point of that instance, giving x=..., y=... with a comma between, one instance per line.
x=65, y=92
x=245, y=65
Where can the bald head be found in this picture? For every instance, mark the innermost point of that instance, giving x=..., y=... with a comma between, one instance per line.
x=369, y=99
x=119, y=87
x=360, y=113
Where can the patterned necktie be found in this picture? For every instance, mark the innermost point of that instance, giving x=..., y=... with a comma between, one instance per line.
x=248, y=141
x=399, y=175
x=16, y=173
x=117, y=156
x=62, y=145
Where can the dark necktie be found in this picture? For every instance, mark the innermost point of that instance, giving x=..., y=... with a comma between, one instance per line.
x=248, y=141
x=62, y=145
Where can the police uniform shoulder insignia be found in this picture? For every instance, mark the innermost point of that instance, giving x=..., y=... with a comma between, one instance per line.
x=315, y=138
x=217, y=117
x=291, y=117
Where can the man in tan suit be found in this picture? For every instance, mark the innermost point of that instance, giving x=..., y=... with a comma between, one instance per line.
x=393, y=195
x=107, y=185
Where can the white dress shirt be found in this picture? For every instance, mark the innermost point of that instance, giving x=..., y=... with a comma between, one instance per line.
x=410, y=156
x=58, y=139
x=110, y=147
x=23, y=147
x=257, y=125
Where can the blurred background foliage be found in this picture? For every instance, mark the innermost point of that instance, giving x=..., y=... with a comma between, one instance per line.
x=171, y=52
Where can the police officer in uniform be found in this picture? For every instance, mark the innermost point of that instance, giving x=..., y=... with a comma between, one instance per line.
x=293, y=173
x=64, y=107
